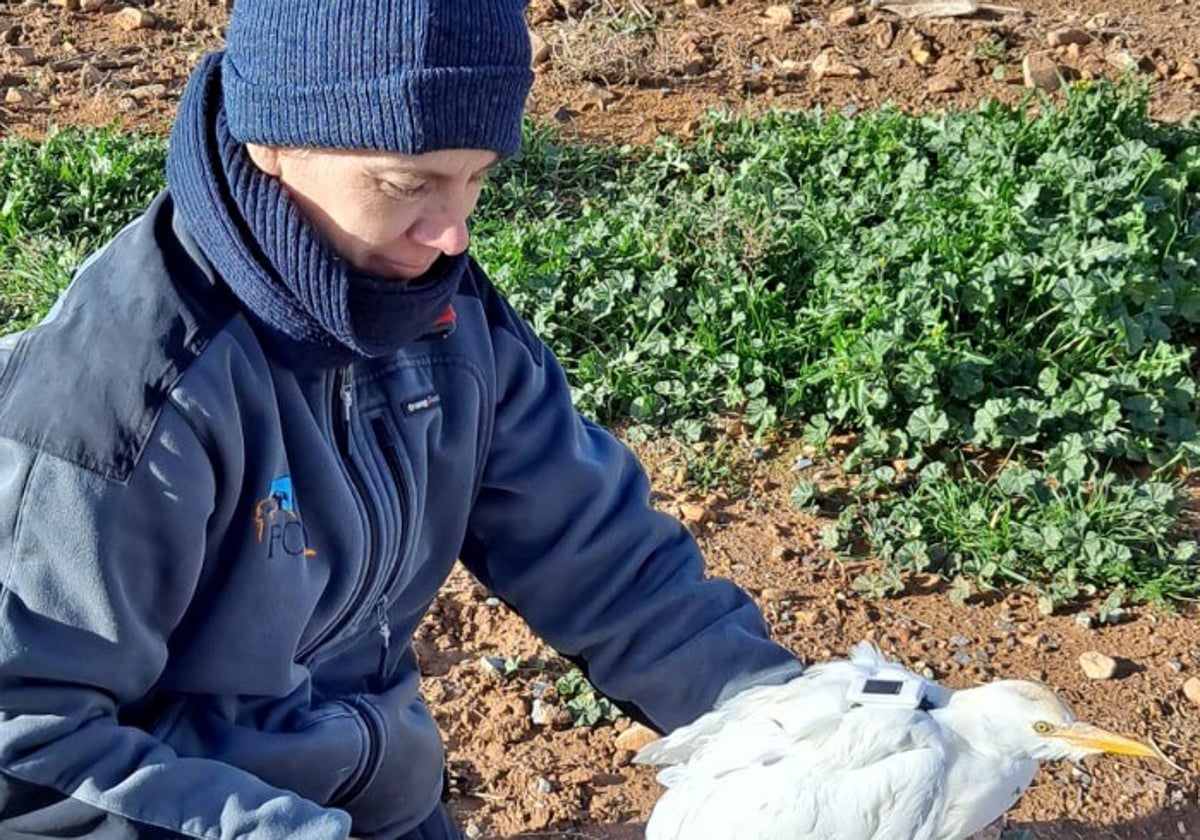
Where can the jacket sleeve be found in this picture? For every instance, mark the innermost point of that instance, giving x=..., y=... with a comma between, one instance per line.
x=94, y=574
x=563, y=531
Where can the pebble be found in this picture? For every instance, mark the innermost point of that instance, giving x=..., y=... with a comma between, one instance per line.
x=1191, y=690
x=1084, y=620
x=1123, y=60
x=635, y=737
x=1063, y=37
x=540, y=713
x=1041, y=71
x=15, y=96
x=1189, y=69
x=492, y=665
x=943, y=83
x=131, y=18
x=921, y=52
x=1097, y=666
x=779, y=18
x=492, y=602
x=21, y=56
x=846, y=16
x=541, y=49
x=542, y=785
x=825, y=65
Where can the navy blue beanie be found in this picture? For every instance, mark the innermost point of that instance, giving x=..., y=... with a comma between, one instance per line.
x=408, y=76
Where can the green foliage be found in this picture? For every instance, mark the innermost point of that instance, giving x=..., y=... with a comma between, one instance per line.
x=1021, y=284
x=1017, y=525
x=587, y=706
x=62, y=199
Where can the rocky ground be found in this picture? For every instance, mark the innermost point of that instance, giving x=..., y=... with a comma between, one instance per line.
x=628, y=70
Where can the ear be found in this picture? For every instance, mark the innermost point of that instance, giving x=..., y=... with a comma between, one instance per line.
x=265, y=158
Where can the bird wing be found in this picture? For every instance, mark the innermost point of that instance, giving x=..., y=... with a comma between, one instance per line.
x=754, y=783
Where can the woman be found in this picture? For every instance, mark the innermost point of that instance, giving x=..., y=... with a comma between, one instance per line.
x=245, y=449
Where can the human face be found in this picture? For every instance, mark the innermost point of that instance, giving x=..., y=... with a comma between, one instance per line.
x=387, y=214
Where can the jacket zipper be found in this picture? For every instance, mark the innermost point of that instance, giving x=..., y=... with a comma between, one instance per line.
x=343, y=404
x=391, y=456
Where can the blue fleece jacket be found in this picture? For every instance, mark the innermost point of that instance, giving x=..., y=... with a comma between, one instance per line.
x=215, y=545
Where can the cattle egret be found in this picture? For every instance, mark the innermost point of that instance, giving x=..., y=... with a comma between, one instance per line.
x=863, y=750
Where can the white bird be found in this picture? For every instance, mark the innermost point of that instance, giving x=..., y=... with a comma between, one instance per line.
x=863, y=750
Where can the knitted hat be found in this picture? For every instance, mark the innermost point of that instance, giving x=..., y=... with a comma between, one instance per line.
x=408, y=76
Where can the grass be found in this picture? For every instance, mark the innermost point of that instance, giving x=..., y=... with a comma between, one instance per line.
x=1013, y=287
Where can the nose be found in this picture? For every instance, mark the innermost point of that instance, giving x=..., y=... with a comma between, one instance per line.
x=444, y=229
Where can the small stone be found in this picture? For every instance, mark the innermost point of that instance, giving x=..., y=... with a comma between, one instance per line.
x=1123, y=60
x=15, y=96
x=885, y=34
x=1189, y=69
x=493, y=666
x=774, y=594
x=148, y=92
x=635, y=737
x=21, y=56
x=943, y=83
x=492, y=602
x=1097, y=666
x=693, y=513
x=846, y=16
x=778, y=18
x=922, y=52
x=542, y=785
x=1071, y=35
x=541, y=49
x=540, y=713
x=473, y=831
x=1042, y=71
x=825, y=65
x=1084, y=620
x=1191, y=690
x=131, y=18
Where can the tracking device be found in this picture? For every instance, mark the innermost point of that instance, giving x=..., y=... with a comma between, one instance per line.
x=888, y=687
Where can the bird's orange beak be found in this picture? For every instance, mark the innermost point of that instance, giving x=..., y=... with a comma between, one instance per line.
x=1095, y=738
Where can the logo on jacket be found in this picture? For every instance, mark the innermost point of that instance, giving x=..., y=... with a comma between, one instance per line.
x=277, y=522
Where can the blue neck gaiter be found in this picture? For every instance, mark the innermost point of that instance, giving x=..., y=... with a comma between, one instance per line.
x=280, y=267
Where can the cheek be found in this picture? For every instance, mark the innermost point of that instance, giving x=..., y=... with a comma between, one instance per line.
x=373, y=224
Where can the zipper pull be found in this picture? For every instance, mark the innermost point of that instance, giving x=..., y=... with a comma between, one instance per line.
x=381, y=617
x=385, y=633
x=347, y=395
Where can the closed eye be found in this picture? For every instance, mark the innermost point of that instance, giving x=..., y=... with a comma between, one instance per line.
x=400, y=191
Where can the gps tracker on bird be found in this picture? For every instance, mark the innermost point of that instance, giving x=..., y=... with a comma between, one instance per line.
x=887, y=687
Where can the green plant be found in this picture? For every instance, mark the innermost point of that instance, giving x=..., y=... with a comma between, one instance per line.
x=587, y=706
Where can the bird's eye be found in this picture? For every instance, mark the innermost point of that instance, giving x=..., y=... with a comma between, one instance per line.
x=1042, y=728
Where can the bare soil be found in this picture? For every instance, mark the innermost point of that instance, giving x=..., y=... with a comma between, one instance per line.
x=629, y=70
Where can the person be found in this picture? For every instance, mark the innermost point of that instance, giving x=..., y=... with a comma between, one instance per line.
x=248, y=443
